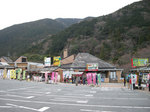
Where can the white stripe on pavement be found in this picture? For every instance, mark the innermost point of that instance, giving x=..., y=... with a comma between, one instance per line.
x=28, y=108
x=20, y=89
x=43, y=109
x=70, y=100
x=80, y=105
x=86, y=96
x=89, y=95
x=82, y=101
x=47, y=92
x=92, y=91
x=85, y=110
x=5, y=107
x=29, y=97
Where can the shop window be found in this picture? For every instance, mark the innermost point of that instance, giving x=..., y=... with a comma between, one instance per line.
x=113, y=75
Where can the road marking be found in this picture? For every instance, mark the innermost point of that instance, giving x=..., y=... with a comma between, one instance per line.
x=47, y=92
x=26, y=93
x=34, y=92
x=74, y=94
x=69, y=100
x=30, y=97
x=80, y=105
x=82, y=101
x=92, y=91
x=58, y=89
x=5, y=107
x=20, y=88
x=123, y=98
x=85, y=110
x=70, y=96
x=43, y=109
x=89, y=95
x=28, y=108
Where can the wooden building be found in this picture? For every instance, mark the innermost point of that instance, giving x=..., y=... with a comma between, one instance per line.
x=108, y=71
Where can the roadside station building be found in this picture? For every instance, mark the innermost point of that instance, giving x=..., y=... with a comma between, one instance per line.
x=79, y=66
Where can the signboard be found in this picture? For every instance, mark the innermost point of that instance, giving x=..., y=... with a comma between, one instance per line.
x=47, y=61
x=136, y=62
x=92, y=67
x=56, y=61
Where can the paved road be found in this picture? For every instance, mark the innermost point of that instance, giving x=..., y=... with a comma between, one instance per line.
x=21, y=96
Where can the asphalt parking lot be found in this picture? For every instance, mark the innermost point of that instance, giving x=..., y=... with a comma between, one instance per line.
x=22, y=96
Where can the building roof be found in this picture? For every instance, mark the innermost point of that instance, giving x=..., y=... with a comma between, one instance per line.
x=141, y=69
x=82, y=59
x=42, y=70
x=5, y=65
x=7, y=59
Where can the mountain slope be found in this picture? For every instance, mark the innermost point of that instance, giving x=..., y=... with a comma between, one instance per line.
x=68, y=21
x=111, y=37
x=17, y=38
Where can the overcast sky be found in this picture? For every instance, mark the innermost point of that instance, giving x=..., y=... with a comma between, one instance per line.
x=20, y=11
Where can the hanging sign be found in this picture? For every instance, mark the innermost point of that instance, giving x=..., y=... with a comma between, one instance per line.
x=136, y=62
x=92, y=67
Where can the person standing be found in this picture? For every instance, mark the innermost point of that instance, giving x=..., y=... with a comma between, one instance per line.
x=130, y=83
x=133, y=82
x=96, y=79
x=77, y=80
x=124, y=80
x=139, y=84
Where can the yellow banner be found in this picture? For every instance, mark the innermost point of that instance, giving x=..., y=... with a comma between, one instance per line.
x=56, y=61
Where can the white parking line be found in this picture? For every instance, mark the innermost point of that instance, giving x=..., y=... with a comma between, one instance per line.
x=92, y=91
x=80, y=105
x=18, y=96
x=5, y=107
x=82, y=101
x=20, y=88
x=70, y=100
x=47, y=92
x=30, y=97
x=85, y=110
x=58, y=89
x=58, y=96
x=25, y=93
x=74, y=94
x=124, y=98
x=35, y=92
x=43, y=109
x=89, y=95
x=28, y=108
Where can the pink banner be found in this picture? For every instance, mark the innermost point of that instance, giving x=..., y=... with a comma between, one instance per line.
x=94, y=78
x=56, y=75
x=88, y=79
x=46, y=76
x=52, y=78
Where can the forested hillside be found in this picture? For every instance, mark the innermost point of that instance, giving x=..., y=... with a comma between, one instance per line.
x=115, y=37
x=18, y=38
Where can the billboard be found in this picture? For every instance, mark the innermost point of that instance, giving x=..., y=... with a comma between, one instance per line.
x=56, y=61
x=92, y=66
x=47, y=61
x=137, y=62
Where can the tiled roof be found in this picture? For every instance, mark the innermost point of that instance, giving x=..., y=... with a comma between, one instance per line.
x=82, y=59
x=7, y=59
